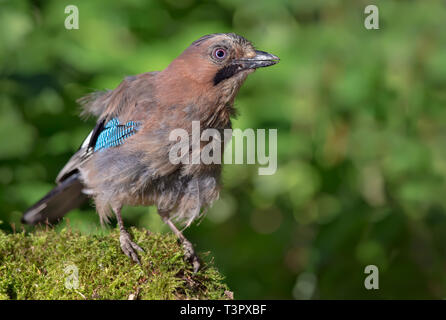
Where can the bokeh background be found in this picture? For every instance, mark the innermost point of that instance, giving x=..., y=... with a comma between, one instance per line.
x=361, y=119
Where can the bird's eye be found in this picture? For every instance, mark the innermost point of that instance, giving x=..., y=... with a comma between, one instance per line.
x=219, y=53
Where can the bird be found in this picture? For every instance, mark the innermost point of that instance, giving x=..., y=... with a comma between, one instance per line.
x=124, y=161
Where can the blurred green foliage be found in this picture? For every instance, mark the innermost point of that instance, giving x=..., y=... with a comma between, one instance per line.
x=361, y=119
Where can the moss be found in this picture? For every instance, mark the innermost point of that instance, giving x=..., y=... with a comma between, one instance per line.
x=43, y=265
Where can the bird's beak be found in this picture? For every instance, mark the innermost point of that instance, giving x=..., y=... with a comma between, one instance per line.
x=260, y=60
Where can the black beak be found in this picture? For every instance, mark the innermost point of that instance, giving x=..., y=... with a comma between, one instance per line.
x=260, y=60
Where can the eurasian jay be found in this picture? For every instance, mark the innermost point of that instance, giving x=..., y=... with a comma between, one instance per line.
x=125, y=159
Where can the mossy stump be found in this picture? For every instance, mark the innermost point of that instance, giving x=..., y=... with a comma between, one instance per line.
x=47, y=264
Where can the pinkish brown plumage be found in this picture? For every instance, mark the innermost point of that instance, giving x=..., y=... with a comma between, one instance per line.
x=134, y=169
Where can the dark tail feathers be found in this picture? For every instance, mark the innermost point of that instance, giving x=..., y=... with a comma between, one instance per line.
x=58, y=202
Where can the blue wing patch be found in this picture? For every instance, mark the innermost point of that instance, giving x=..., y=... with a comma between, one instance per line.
x=114, y=134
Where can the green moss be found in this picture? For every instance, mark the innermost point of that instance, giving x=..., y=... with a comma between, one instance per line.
x=40, y=265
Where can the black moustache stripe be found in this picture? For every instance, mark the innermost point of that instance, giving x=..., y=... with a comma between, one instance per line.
x=226, y=72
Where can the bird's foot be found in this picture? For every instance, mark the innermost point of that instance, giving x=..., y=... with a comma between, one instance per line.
x=191, y=256
x=129, y=247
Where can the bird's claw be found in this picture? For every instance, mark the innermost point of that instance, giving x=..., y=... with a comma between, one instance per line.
x=129, y=247
x=191, y=256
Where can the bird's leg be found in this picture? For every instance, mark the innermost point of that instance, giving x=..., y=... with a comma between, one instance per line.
x=127, y=245
x=189, y=252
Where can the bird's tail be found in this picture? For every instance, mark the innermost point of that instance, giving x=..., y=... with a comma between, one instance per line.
x=66, y=196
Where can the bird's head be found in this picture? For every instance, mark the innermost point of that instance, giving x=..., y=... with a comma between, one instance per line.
x=220, y=61
x=229, y=56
